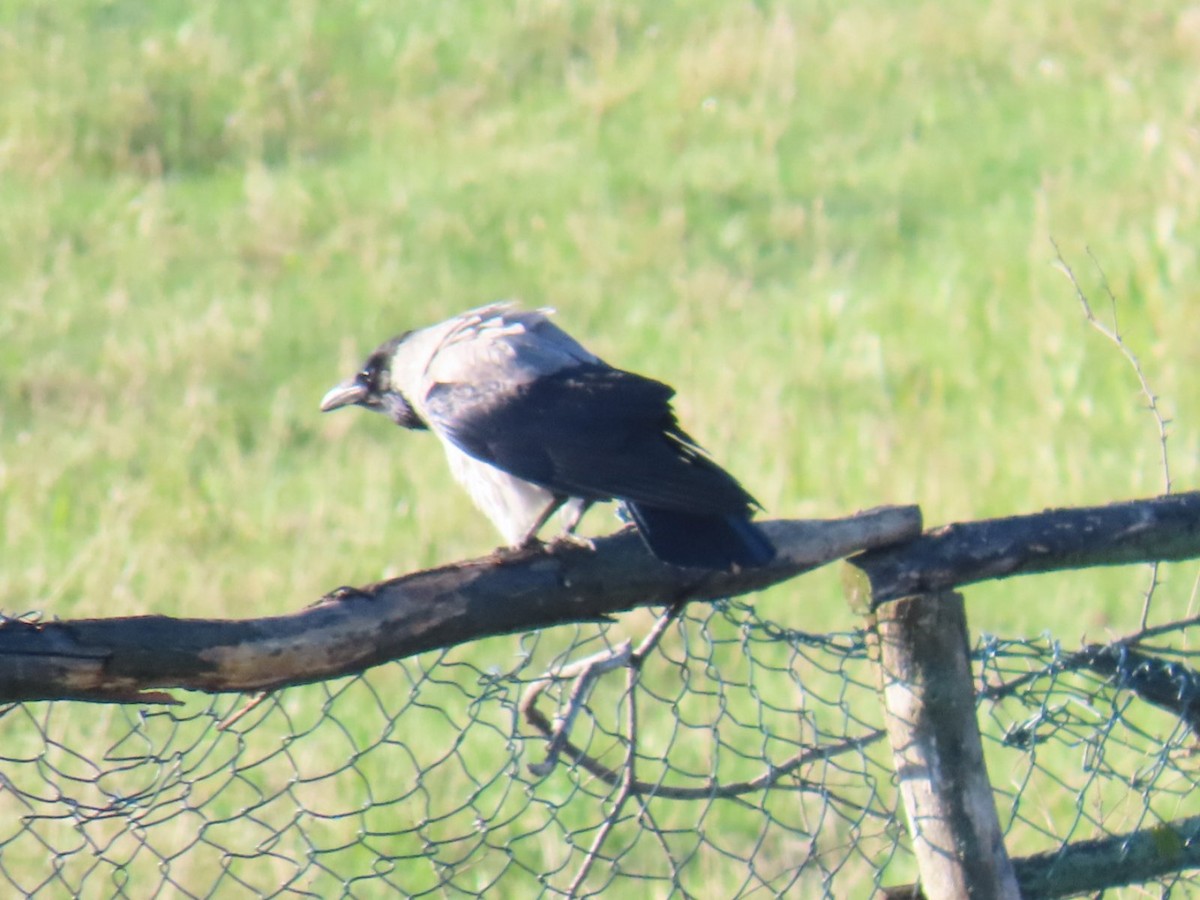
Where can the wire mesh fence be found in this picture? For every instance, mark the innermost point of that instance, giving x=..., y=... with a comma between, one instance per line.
x=736, y=758
x=1081, y=750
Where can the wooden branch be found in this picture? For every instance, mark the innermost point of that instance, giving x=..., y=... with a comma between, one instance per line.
x=1093, y=867
x=351, y=629
x=929, y=705
x=1169, y=685
x=1165, y=528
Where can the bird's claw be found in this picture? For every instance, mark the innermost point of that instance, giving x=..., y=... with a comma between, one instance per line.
x=528, y=549
x=570, y=541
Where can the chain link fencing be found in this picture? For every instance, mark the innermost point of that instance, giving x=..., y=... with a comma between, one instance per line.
x=736, y=757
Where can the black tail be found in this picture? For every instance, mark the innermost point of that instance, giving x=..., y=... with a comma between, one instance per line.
x=700, y=541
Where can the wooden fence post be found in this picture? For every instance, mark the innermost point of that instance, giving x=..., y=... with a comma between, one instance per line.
x=925, y=677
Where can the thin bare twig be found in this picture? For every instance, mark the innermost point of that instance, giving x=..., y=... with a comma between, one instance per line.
x=769, y=780
x=234, y=717
x=1114, y=335
x=1143, y=634
x=628, y=776
x=656, y=633
x=628, y=770
x=585, y=672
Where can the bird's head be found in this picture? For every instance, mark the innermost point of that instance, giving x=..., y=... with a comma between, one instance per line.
x=373, y=387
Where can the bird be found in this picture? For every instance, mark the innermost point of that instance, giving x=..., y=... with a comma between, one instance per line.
x=532, y=423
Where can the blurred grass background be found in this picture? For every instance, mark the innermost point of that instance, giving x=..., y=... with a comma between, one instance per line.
x=828, y=225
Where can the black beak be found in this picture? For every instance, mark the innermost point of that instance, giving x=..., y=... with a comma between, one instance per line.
x=345, y=394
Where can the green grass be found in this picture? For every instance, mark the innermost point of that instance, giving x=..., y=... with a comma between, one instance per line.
x=828, y=226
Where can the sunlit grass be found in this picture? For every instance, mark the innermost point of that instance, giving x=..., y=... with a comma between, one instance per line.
x=829, y=228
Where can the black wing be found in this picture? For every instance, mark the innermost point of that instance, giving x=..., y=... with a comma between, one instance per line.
x=590, y=431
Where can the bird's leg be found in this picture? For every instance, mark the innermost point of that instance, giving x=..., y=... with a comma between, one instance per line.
x=572, y=521
x=531, y=538
x=529, y=543
x=568, y=537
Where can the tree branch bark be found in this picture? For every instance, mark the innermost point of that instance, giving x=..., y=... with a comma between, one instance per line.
x=352, y=629
x=1093, y=867
x=1165, y=528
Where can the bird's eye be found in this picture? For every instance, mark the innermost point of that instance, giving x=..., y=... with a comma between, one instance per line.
x=375, y=379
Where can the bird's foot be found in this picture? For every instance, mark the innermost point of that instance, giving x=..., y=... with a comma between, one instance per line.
x=525, y=550
x=568, y=541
